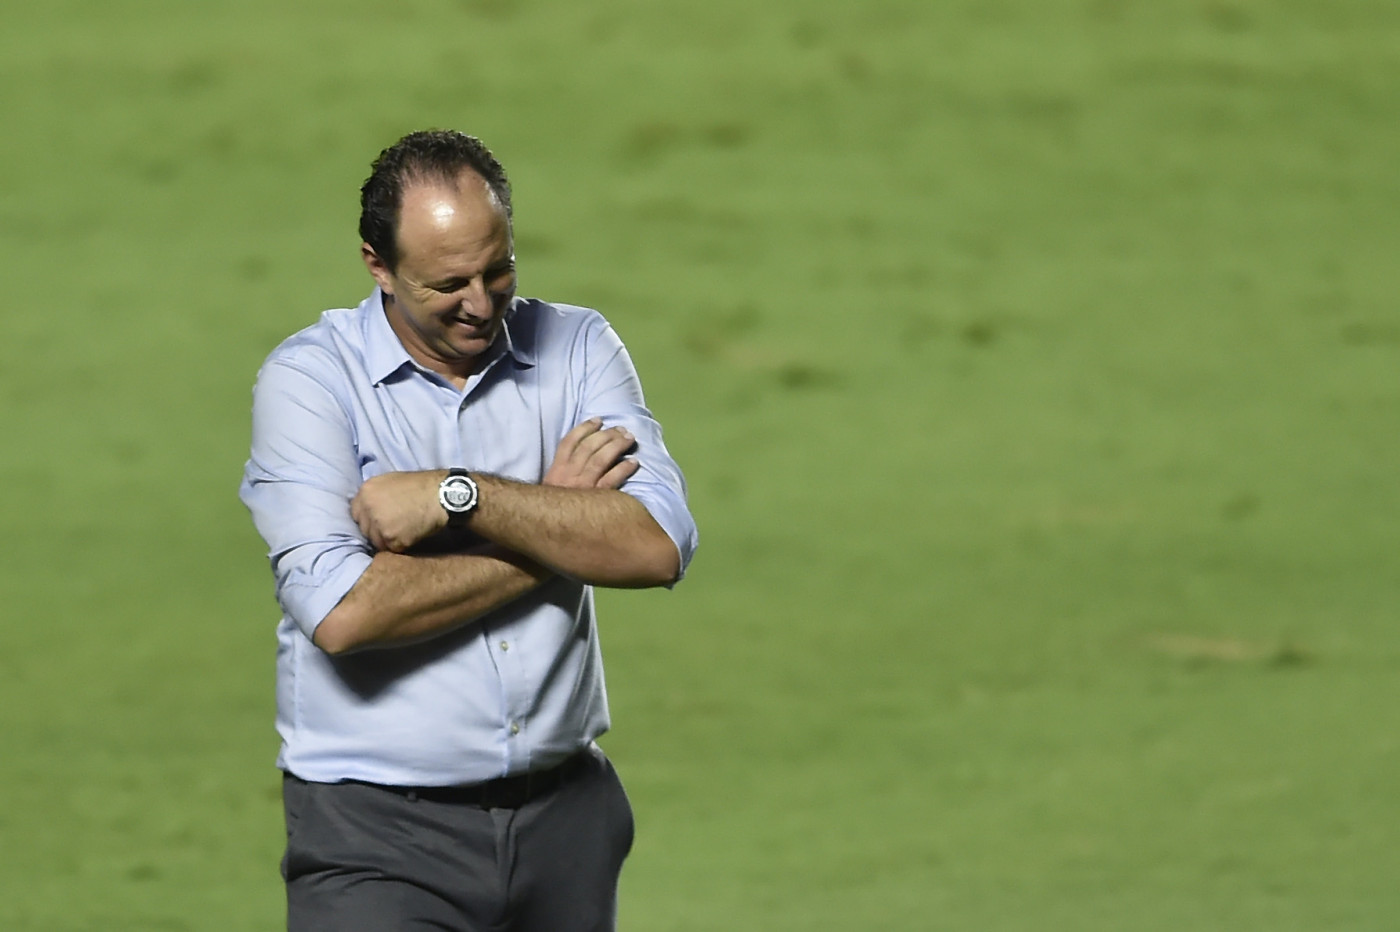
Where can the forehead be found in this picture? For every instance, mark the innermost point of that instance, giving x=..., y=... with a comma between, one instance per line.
x=439, y=218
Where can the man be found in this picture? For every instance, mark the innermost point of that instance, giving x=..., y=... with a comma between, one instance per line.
x=442, y=474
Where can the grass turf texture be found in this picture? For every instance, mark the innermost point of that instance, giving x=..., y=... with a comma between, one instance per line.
x=1033, y=366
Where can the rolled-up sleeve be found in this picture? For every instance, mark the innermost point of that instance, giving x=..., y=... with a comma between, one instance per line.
x=613, y=391
x=300, y=477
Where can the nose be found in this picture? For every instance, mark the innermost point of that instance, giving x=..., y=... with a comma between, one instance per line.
x=475, y=300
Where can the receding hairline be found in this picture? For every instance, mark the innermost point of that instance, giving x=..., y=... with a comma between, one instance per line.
x=416, y=177
x=457, y=184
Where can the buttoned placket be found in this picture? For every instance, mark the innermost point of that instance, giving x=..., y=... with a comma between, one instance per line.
x=515, y=697
x=514, y=685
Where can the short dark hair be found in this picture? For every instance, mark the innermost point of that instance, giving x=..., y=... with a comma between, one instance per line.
x=428, y=155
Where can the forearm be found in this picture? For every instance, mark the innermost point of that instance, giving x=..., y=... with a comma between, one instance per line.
x=574, y=522
x=600, y=536
x=402, y=598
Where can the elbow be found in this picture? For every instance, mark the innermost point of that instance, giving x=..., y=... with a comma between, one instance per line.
x=665, y=563
x=636, y=553
x=658, y=563
x=335, y=635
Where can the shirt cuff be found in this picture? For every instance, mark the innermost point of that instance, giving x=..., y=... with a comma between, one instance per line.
x=308, y=598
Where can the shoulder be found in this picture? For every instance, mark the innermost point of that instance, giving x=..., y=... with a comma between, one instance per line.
x=551, y=318
x=326, y=349
x=550, y=327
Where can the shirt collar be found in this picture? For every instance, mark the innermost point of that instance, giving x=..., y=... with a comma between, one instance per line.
x=513, y=335
x=385, y=353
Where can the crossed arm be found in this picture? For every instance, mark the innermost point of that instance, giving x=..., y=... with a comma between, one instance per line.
x=575, y=523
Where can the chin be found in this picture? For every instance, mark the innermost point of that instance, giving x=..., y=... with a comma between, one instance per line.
x=470, y=349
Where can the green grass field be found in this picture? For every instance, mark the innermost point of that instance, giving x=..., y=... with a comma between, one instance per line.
x=1033, y=365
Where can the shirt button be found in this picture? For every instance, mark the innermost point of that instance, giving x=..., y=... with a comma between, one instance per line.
x=515, y=728
x=505, y=646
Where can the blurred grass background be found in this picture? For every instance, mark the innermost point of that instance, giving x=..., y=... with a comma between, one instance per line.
x=1033, y=366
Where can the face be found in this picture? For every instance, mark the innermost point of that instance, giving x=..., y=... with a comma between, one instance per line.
x=456, y=274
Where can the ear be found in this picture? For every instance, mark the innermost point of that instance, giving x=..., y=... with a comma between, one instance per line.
x=378, y=268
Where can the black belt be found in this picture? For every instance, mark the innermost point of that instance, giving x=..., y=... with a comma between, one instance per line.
x=501, y=793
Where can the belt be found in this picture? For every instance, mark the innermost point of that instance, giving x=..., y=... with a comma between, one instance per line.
x=502, y=793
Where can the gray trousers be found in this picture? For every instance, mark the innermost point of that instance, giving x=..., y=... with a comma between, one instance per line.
x=363, y=858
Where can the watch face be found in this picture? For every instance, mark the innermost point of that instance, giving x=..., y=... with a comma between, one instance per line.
x=458, y=494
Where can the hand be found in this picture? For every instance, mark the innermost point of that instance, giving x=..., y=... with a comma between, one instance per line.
x=591, y=457
x=398, y=509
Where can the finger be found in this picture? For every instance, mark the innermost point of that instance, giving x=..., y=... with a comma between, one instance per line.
x=607, y=456
x=362, y=519
x=610, y=443
x=571, y=440
x=620, y=473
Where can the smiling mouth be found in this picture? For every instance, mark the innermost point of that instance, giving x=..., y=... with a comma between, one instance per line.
x=471, y=323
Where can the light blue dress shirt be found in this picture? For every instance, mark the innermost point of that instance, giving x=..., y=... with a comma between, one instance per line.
x=519, y=689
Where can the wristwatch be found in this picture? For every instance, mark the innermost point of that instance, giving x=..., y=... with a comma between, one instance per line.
x=458, y=496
